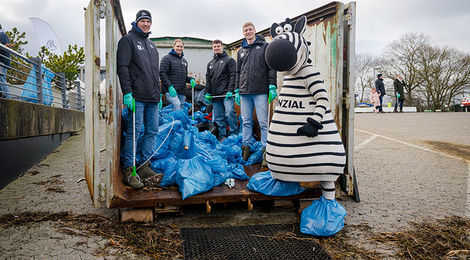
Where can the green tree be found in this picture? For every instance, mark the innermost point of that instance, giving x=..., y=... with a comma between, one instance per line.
x=19, y=68
x=16, y=37
x=69, y=62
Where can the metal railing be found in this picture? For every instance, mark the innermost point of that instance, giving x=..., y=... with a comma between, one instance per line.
x=28, y=80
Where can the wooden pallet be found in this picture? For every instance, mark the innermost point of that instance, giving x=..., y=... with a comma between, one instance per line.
x=170, y=200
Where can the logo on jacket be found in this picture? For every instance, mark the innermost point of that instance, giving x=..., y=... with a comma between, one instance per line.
x=184, y=63
x=221, y=61
x=139, y=46
x=210, y=67
x=242, y=54
x=257, y=47
x=290, y=103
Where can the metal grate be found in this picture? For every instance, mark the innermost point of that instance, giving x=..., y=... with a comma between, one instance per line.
x=249, y=242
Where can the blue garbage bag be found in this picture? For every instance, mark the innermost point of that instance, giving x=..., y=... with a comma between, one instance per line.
x=30, y=89
x=219, y=168
x=168, y=166
x=194, y=176
x=256, y=149
x=48, y=75
x=322, y=218
x=237, y=171
x=263, y=182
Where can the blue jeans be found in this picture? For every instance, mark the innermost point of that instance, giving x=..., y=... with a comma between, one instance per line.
x=224, y=113
x=260, y=103
x=147, y=113
x=177, y=102
x=4, y=89
x=399, y=102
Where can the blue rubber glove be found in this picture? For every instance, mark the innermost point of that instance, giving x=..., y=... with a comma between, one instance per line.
x=193, y=82
x=272, y=93
x=172, y=91
x=229, y=95
x=237, y=96
x=398, y=95
x=160, y=104
x=129, y=101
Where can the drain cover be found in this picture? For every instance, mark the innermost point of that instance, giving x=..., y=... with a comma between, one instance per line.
x=249, y=242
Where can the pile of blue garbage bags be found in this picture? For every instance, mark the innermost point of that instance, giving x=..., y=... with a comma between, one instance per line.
x=197, y=161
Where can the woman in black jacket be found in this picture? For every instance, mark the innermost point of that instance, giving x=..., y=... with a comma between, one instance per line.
x=174, y=75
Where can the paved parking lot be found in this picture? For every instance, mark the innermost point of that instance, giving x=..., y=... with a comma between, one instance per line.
x=409, y=167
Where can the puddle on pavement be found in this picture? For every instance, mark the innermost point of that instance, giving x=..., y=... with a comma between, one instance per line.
x=458, y=150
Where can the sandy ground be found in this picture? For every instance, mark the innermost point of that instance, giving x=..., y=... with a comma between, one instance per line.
x=410, y=167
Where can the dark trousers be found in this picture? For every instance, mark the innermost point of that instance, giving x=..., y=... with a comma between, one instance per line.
x=399, y=103
x=381, y=101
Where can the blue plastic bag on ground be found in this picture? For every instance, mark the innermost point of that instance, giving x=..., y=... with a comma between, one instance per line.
x=193, y=176
x=322, y=218
x=167, y=165
x=237, y=171
x=263, y=182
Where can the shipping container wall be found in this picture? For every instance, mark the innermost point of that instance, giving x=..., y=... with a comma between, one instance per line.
x=197, y=59
x=324, y=32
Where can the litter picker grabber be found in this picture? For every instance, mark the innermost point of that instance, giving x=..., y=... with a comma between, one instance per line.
x=218, y=96
x=192, y=103
x=269, y=110
x=134, y=172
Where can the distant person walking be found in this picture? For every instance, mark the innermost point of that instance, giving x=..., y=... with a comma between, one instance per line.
x=380, y=87
x=4, y=64
x=374, y=99
x=220, y=80
x=398, y=85
x=174, y=75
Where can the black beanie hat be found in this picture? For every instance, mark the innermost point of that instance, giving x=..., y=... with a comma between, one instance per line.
x=143, y=14
x=379, y=75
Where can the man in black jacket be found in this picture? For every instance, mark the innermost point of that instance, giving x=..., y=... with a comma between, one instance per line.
x=174, y=75
x=398, y=85
x=220, y=80
x=137, y=68
x=380, y=87
x=254, y=80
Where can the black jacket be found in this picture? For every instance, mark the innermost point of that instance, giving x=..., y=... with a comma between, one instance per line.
x=398, y=86
x=137, y=66
x=253, y=74
x=174, y=72
x=380, y=87
x=220, y=75
x=4, y=40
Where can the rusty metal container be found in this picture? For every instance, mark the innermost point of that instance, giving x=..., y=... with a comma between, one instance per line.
x=331, y=29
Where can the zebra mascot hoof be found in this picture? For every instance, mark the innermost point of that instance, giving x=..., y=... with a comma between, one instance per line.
x=304, y=144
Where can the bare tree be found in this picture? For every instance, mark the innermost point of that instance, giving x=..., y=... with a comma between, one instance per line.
x=444, y=73
x=402, y=57
x=364, y=75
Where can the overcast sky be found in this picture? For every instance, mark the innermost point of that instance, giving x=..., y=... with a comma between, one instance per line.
x=379, y=22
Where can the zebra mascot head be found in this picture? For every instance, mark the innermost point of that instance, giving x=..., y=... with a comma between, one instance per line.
x=288, y=51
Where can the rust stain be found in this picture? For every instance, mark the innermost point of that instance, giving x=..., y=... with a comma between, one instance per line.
x=111, y=105
x=457, y=150
x=97, y=61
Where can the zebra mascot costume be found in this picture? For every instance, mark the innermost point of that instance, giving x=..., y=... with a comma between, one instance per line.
x=303, y=141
